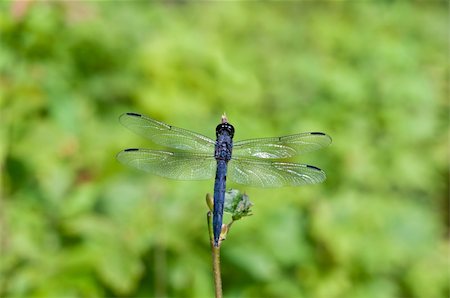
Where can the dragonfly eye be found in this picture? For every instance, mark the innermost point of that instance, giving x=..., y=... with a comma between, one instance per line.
x=225, y=127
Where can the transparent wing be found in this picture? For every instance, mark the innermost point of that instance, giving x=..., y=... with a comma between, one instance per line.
x=173, y=165
x=281, y=147
x=266, y=173
x=167, y=135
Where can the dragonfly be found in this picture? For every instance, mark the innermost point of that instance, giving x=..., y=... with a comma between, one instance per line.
x=193, y=156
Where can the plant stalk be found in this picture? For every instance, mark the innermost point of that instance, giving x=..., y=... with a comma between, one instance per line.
x=215, y=251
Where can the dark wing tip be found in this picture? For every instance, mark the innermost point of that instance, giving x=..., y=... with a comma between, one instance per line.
x=317, y=133
x=134, y=114
x=313, y=167
x=130, y=149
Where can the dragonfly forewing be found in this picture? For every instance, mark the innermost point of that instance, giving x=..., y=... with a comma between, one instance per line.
x=173, y=165
x=167, y=135
x=281, y=147
x=266, y=173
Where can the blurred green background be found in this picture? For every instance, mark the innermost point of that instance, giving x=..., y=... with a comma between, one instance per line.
x=374, y=76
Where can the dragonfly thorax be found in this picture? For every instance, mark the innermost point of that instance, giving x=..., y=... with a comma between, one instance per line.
x=224, y=142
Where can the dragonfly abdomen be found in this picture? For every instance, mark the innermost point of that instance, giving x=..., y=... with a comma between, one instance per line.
x=219, y=198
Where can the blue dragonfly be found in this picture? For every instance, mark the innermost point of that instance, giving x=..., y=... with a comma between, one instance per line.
x=250, y=162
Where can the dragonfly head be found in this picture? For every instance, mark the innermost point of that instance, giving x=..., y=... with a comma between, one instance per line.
x=225, y=127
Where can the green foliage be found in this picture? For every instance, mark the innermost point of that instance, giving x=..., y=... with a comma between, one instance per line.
x=237, y=204
x=75, y=223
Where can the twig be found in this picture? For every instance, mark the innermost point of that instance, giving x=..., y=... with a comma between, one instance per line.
x=215, y=251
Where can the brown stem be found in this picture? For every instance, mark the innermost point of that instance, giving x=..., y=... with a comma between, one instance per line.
x=215, y=251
